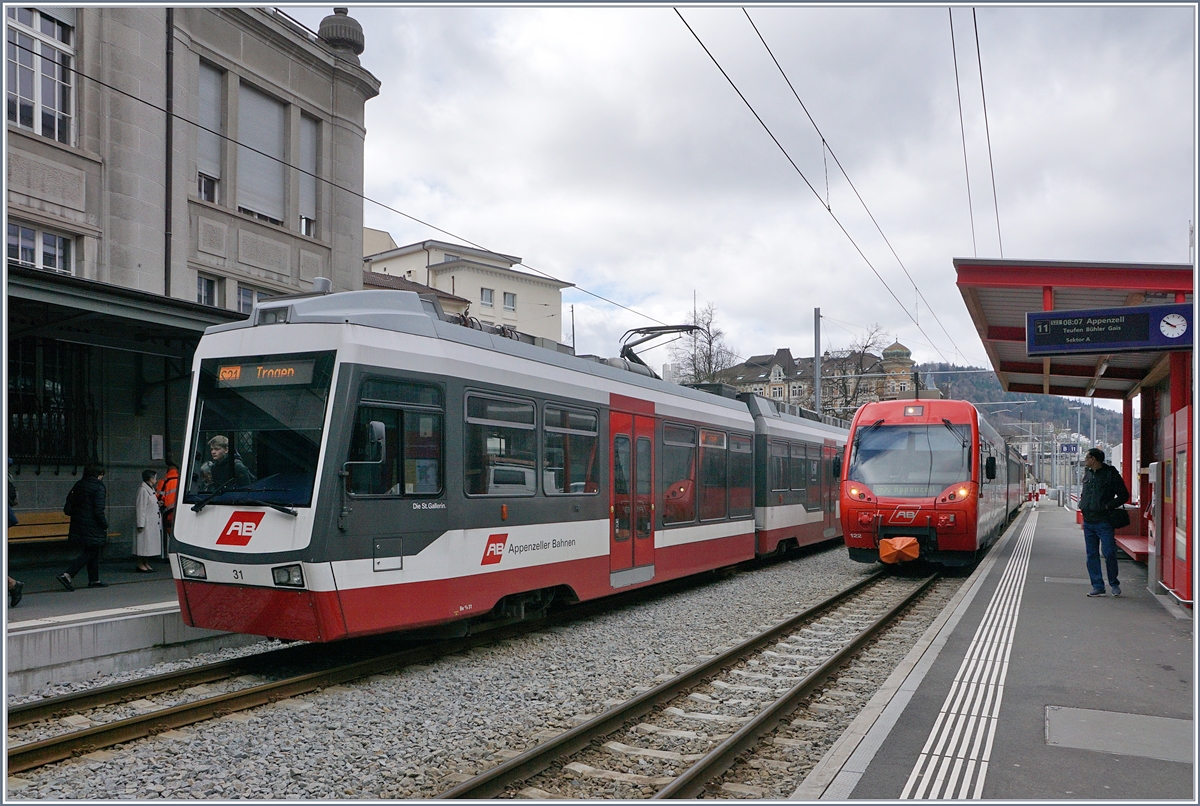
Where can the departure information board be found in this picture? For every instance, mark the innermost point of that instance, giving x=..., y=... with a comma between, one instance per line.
x=1109, y=330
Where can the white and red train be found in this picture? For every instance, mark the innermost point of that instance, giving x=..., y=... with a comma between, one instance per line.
x=926, y=478
x=358, y=463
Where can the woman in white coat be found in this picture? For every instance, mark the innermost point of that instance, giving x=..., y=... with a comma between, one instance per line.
x=149, y=523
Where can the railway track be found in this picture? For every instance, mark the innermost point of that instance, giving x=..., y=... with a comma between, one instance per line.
x=688, y=731
x=26, y=755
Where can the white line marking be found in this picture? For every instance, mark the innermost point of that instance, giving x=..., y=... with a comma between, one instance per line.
x=970, y=713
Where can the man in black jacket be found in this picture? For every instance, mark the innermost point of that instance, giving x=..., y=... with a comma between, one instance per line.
x=89, y=526
x=1103, y=491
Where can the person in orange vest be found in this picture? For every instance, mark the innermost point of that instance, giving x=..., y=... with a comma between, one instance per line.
x=167, y=490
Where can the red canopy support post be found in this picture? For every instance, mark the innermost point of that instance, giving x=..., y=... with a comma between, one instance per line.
x=1127, y=444
x=1179, y=380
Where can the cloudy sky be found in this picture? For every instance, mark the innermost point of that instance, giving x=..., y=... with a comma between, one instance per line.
x=605, y=147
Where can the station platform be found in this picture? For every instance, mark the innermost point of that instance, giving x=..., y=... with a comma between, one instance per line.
x=1025, y=688
x=58, y=636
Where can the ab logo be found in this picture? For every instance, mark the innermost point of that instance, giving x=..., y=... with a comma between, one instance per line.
x=493, y=552
x=240, y=528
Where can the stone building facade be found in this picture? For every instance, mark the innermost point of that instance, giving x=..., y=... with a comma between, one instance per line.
x=166, y=169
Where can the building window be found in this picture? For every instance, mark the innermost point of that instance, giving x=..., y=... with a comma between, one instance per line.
x=40, y=56
x=206, y=188
x=246, y=298
x=208, y=132
x=447, y=257
x=310, y=137
x=37, y=249
x=777, y=392
x=485, y=297
x=261, y=132
x=206, y=290
x=52, y=416
x=510, y=302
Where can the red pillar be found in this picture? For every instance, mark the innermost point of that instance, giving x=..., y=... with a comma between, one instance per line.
x=1180, y=385
x=1127, y=445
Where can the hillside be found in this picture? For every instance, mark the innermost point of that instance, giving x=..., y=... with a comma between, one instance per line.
x=980, y=386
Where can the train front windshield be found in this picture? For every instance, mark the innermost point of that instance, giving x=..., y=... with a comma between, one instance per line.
x=911, y=461
x=259, y=421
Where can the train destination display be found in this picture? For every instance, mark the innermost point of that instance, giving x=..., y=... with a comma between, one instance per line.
x=1109, y=330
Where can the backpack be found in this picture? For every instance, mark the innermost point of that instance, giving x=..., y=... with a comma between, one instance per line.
x=69, y=506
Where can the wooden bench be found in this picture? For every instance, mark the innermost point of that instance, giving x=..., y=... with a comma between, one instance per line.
x=39, y=527
x=47, y=526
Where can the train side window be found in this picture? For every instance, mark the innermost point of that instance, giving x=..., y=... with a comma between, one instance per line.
x=385, y=477
x=570, y=457
x=621, y=476
x=679, y=471
x=387, y=390
x=777, y=467
x=741, y=476
x=815, y=467
x=799, y=468
x=714, y=475
x=501, y=447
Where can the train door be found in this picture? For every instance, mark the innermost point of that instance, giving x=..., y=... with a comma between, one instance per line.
x=631, y=529
x=1174, y=541
x=829, y=497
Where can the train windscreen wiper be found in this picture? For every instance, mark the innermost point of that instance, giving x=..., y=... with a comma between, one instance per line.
x=199, y=505
x=281, y=507
x=862, y=432
x=965, y=442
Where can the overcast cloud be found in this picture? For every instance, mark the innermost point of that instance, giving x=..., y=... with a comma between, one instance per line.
x=604, y=147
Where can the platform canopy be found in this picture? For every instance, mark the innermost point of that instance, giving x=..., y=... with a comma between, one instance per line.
x=999, y=293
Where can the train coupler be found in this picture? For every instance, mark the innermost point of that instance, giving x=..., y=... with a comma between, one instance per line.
x=894, y=550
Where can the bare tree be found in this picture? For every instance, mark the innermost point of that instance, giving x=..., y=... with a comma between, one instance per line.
x=846, y=375
x=702, y=356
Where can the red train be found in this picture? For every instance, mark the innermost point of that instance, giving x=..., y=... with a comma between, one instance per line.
x=926, y=478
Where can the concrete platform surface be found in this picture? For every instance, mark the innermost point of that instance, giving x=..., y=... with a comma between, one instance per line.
x=59, y=636
x=1026, y=689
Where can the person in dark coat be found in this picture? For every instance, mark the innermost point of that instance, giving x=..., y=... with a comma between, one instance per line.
x=89, y=526
x=1103, y=491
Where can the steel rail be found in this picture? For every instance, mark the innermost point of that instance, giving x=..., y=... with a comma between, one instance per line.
x=691, y=782
x=23, y=757
x=529, y=763
x=40, y=710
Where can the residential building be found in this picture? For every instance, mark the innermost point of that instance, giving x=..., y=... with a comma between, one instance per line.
x=499, y=293
x=167, y=167
x=450, y=303
x=849, y=378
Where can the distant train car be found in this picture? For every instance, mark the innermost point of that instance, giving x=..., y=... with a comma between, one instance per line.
x=359, y=463
x=926, y=478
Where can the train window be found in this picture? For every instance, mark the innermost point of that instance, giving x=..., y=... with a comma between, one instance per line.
x=812, y=500
x=412, y=460
x=501, y=447
x=386, y=390
x=777, y=467
x=714, y=475
x=643, y=478
x=570, y=451
x=679, y=471
x=741, y=476
x=621, y=474
x=799, y=468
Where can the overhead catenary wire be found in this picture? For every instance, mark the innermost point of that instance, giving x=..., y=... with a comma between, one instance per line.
x=826, y=147
x=987, y=130
x=176, y=116
x=963, y=129
x=801, y=173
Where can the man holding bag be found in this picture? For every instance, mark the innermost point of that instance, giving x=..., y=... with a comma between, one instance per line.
x=1101, y=501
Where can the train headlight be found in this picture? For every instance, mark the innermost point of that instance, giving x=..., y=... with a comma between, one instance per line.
x=962, y=492
x=289, y=576
x=192, y=569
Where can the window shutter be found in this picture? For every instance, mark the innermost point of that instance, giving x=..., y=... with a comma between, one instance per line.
x=261, y=126
x=310, y=130
x=63, y=15
x=208, y=143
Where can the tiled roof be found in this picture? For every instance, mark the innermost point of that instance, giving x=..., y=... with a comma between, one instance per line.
x=375, y=279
